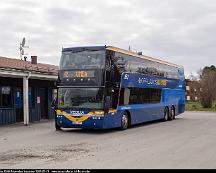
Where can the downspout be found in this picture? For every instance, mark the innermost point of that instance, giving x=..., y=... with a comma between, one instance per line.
x=26, y=99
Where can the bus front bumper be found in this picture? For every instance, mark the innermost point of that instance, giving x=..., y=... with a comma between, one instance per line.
x=91, y=122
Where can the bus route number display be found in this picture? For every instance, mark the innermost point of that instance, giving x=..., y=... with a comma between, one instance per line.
x=81, y=74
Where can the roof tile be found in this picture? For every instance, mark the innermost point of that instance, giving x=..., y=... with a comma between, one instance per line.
x=11, y=63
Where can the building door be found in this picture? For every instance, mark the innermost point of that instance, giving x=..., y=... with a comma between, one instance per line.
x=44, y=103
x=18, y=104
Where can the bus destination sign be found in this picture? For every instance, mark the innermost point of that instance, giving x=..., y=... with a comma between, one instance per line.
x=78, y=74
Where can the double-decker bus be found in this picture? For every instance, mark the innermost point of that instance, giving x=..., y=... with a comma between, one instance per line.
x=105, y=87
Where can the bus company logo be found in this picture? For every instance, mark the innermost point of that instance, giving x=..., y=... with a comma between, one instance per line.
x=161, y=82
x=77, y=112
x=149, y=81
x=126, y=76
x=146, y=81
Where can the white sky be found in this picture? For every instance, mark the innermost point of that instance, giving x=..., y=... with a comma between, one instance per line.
x=178, y=31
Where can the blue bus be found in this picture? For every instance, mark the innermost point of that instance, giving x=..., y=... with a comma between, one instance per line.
x=103, y=87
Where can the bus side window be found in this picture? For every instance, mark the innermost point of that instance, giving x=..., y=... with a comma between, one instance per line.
x=124, y=96
x=121, y=98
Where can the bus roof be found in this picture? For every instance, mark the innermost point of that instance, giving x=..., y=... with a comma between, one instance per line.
x=75, y=49
x=83, y=48
x=141, y=56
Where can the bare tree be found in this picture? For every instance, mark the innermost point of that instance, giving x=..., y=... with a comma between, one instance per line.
x=208, y=85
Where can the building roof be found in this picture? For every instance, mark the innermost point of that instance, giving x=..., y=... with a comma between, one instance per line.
x=21, y=65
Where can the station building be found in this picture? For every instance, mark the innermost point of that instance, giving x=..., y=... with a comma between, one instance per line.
x=27, y=89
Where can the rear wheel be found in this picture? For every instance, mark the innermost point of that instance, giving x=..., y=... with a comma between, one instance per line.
x=172, y=112
x=124, y=121
x=170, y=117
x=166, y=114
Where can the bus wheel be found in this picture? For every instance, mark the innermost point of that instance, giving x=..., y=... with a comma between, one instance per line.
x=57, y=127
x=172, y=112
x=166, y=114
x=124, y=121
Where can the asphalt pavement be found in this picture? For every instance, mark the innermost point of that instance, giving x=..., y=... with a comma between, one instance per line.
x=189, y=141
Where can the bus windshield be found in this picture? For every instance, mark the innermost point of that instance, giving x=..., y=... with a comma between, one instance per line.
x=88, y=98
x=83, y=60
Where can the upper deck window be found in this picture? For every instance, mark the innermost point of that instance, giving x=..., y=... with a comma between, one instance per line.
x=87, y=59
x=141, y=65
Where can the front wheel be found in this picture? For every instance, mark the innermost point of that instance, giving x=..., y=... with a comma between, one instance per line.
x=124, y=121
x=57, y=127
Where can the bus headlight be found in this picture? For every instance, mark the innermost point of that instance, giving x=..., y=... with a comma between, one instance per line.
x=97, y=113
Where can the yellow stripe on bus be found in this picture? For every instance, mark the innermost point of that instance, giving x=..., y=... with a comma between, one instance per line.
x=71, y=118
x=78, y=120
x=82, y=118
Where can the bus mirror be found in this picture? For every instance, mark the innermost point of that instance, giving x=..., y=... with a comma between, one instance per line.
x=107, y=104
x=53, y=104
x=111, y=90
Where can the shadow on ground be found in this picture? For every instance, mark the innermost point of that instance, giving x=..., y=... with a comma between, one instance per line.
x=115, y=130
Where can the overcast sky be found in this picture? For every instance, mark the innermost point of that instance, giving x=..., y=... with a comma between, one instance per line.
x=179, y=31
